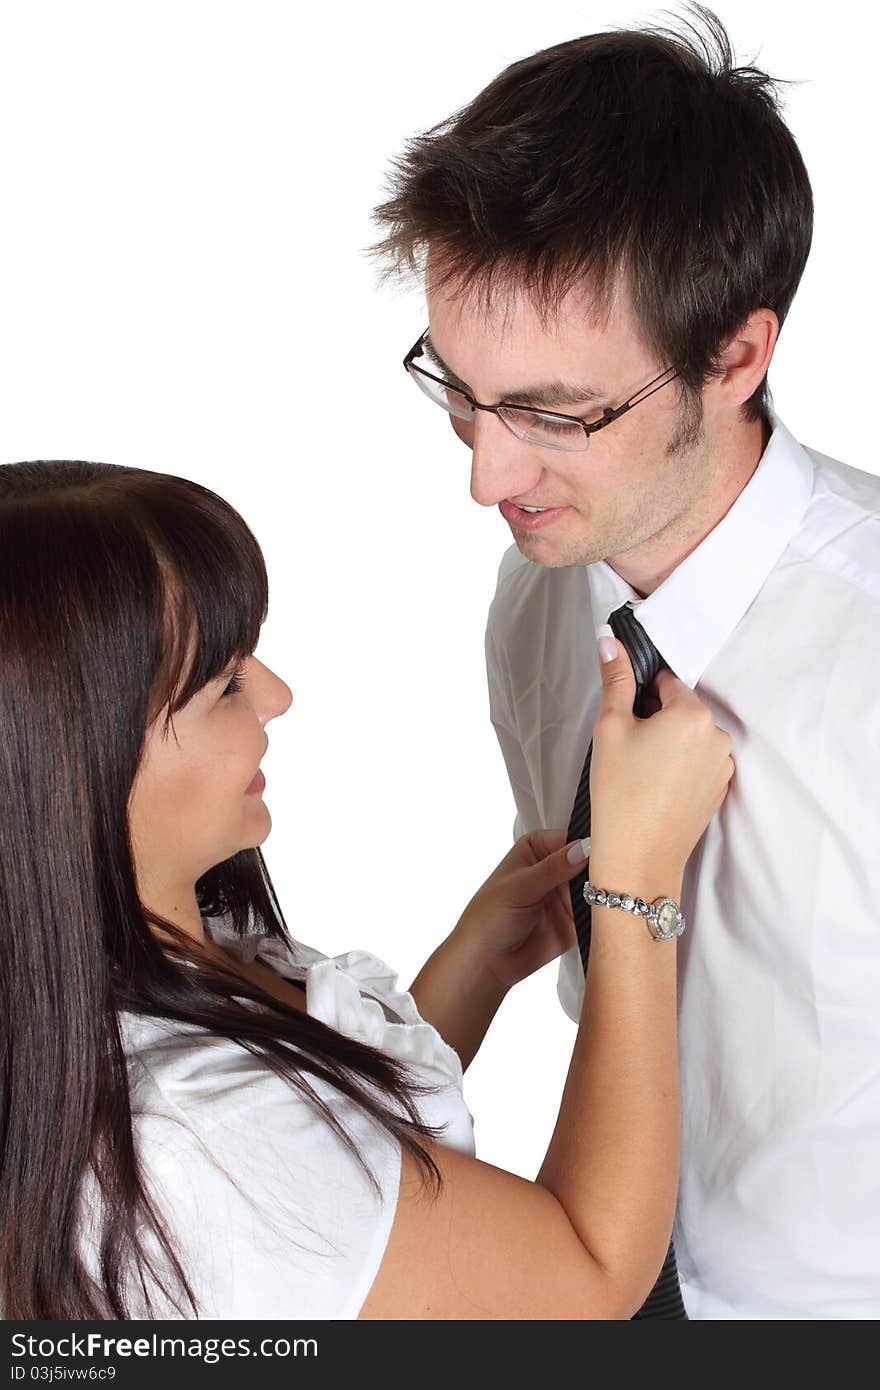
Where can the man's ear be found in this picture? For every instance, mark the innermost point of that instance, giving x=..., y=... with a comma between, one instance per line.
x=746, y=357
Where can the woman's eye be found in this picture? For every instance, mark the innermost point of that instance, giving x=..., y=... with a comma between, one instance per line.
x=236, y=682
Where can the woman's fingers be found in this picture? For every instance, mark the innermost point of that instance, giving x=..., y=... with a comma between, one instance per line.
x=670, y=688
x=551, y=869
x=618, y=678
x=541, y=843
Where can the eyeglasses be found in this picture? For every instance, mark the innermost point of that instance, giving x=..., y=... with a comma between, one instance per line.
x=545, y=427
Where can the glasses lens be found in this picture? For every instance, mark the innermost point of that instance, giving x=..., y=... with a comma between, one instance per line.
x=450, y=399
x=547, y=430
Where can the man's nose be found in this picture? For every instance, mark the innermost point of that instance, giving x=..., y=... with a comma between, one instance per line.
x=503, y=465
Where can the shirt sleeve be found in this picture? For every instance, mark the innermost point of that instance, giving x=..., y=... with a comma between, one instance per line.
x=269, y=1211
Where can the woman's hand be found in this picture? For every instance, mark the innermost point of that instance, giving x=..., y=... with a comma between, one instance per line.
x=655, y=783
x=518, y=921
x=521, y=917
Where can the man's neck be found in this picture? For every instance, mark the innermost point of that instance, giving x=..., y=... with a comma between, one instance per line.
x=648, y=565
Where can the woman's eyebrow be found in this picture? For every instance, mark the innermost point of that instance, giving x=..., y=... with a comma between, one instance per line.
x=548, y=393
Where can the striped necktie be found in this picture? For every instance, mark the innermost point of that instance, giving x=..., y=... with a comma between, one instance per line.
x=664, y=1300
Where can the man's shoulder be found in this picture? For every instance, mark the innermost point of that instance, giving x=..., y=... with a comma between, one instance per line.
x=522, y=581
x=841, y=480
x=840, y=532
x=536, y=617
x=513, y=561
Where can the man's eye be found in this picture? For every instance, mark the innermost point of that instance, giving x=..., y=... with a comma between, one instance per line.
x=552, y=426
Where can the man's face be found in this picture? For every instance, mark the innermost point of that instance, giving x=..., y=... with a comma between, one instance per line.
x=638, y=480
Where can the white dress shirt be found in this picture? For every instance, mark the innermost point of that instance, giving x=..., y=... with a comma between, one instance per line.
x=775, y=620
x=269, y=1211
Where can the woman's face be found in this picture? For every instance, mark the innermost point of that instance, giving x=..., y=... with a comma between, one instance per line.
x=197, y=797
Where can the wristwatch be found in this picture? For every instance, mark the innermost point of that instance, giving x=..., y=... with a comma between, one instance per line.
x=663, y=917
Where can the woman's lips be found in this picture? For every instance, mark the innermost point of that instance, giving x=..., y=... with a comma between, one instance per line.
x=529, y=521
x=257, y=784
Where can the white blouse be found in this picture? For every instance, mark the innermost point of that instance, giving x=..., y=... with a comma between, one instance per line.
x=270, y=1213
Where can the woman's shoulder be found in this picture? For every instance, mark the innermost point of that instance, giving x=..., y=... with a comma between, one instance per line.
x=277, y=1214
x=273, y=1213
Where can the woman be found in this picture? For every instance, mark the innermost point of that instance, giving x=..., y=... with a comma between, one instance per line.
x=199, y=1116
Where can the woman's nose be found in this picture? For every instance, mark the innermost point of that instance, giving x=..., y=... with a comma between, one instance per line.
x=274, y=696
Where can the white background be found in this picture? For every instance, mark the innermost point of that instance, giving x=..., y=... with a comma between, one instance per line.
x=186, y=190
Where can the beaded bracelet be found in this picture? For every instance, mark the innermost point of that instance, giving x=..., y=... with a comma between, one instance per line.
x=663, y=917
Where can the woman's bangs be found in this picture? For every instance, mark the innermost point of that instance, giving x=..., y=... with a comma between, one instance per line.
x=215, y=598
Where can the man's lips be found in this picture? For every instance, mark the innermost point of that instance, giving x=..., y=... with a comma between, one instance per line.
x=529, y=521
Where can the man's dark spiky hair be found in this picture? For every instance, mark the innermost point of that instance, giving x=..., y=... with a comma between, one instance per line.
x=642, y=154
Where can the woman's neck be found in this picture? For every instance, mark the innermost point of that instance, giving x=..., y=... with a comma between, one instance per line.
x=181, y=909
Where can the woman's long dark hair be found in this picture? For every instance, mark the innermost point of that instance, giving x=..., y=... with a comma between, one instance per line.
x=106, y=573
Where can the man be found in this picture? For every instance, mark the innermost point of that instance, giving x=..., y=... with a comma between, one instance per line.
x=614, y=230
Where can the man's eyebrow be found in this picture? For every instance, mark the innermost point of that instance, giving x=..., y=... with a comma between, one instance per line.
x=548, y=393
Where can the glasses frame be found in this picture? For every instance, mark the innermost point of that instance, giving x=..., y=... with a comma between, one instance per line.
x=589, y=427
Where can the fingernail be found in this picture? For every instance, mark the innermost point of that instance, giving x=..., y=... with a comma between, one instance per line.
x=606, y=642
x=579, y=852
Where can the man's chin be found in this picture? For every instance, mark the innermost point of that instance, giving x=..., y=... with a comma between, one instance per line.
x=542, y=550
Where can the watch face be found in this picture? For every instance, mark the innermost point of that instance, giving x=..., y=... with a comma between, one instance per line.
x=667, y=918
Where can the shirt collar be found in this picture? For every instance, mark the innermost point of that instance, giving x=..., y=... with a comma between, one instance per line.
x=692, y=613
